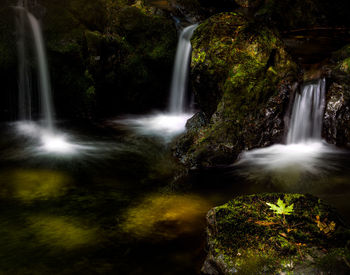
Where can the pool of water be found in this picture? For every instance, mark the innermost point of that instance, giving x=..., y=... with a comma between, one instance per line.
x=107, y=202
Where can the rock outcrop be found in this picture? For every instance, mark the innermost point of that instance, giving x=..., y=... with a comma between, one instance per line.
x=336, y=127
x=242, y=78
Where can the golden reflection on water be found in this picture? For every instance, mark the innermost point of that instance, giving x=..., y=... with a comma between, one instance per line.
x=61, y=232
x=166, y=216
x=29, y=185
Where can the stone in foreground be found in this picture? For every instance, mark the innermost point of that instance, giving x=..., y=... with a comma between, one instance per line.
x=294, y=234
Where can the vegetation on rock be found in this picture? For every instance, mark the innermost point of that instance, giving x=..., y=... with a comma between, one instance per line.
x=246, y=237
x=241, y=77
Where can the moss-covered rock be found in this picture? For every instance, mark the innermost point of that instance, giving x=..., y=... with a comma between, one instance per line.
x=241, y=77
x=245, y=236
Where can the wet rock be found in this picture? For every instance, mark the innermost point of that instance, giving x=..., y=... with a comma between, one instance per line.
x=242, y=79
x=196, y=122
x=246, y=236
x=336, y=126
x=337, y=116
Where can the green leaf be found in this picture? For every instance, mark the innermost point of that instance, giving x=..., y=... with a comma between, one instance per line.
x=281, y=208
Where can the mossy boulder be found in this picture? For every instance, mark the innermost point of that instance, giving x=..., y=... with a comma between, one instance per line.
x=246, y=237
x=242, y=78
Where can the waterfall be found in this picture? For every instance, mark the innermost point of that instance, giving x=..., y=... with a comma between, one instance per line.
x=24, y=83
x=305, y=151
x=43, y=73
x=173, y=122
x=307, y=114
x=181, y=70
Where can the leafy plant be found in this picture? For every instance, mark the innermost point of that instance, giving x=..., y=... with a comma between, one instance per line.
x=281, y=208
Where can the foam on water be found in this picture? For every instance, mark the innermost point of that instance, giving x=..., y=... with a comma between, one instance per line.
x=164, y=125
x=43, y=141
x=307, y=157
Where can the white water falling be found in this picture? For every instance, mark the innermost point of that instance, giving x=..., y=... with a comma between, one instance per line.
x=172, y=123
x=306, y=120
x=181, y=71
x=43, y=72
x=24, y=83
x=50, y=141
x=305, y=151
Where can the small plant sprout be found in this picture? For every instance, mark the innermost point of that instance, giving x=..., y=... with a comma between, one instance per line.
x=281, y=208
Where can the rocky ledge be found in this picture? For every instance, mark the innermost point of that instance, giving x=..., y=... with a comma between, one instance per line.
x=276, y=234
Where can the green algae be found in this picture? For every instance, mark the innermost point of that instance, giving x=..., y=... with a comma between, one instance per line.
x=31, y=185
x=62, y=232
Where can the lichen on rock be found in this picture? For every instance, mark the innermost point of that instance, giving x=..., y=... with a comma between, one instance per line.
x=246, y=237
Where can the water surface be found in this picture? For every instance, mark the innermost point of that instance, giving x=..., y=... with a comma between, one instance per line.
x=111, y=205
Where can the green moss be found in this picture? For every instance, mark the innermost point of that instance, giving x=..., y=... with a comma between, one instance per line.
x=252, y=238
x=237, y=67
x=344, y=65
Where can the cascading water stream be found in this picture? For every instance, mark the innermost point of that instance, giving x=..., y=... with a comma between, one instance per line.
x=181, y=71
x=167, y=125
x=24, y=83
x=25, y=102
x=50, y=141
x=43, y=75
x=305, y=150
x=306, y=120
